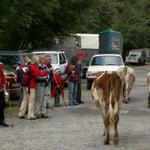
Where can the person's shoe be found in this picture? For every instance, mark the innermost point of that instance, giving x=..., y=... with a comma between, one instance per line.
x=21, y=117
x=44, y=116
x=57, y=105
x=38, y=116
x=4, y=124
x=80, y=102
x=32, y=118
x=70, y=104
x=76, y=103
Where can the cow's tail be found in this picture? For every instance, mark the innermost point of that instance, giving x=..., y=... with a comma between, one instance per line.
x=111, y=109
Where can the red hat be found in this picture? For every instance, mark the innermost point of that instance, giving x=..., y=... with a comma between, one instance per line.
x=80, y=54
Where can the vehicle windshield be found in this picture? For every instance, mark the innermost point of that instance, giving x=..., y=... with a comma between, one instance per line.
x=11, y=61
x=134, y=53
x=107, y=60
x=52, y=55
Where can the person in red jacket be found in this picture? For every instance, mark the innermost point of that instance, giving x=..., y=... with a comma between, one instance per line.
x=28, y=102
x=2, y=98
x=57, y=88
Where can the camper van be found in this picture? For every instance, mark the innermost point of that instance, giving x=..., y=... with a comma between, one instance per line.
x=136, y=57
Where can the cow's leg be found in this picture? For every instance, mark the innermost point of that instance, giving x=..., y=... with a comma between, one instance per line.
x=126, y=96
x=116, y=136
x=116, y=118
x=106, y=131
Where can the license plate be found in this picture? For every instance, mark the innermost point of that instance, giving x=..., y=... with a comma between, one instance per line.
x=15, y=85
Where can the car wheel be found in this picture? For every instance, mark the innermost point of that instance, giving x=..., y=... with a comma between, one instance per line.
x=89, y=84
x=139, y=62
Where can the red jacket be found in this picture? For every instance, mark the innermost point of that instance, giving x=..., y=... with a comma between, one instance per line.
x=34, y=73
x=57, y=85
x=2, y=78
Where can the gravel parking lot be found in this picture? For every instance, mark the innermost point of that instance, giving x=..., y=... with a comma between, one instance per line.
x=81, y=127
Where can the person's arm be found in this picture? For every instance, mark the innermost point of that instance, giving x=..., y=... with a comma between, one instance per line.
x=36, y=72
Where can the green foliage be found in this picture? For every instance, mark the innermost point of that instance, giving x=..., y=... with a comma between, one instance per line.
x=29, y=23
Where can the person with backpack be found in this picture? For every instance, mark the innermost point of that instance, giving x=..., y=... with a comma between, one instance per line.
x=22, y=71
x=28, y=102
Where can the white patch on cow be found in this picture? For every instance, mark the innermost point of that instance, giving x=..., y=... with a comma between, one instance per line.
x=95, y=95
x=100, y=76
x=111, y=111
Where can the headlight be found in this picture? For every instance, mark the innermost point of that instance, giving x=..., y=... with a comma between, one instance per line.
x=6, y=95
x=91, y=74
x=94, y=74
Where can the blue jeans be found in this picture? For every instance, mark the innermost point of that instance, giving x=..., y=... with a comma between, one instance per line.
x=57, y=99
x=72, y=87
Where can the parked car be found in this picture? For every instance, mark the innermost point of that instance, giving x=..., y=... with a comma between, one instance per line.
x=12, y=58
x=136, y=57
x=59, y=59
x=12, y=90
x=100, y=63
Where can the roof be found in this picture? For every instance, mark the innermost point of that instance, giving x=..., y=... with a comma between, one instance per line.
x=11, y=52
x=39, y=52
x=106, y=55
x=110, y=31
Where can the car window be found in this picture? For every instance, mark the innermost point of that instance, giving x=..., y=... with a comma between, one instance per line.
x=11, y=60
x=54, y=58
x=61, y=58
x=64, y=58
x=106, y=60
x=52, y=55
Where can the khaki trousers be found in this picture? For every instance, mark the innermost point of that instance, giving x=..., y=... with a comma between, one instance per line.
x=28, y=103
x=41, y=100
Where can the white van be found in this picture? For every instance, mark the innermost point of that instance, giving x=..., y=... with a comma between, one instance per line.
x=59, y=59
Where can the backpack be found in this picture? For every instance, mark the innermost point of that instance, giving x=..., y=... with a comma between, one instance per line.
x=23, y=75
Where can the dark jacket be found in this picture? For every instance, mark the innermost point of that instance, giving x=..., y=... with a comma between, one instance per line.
x=73, y=73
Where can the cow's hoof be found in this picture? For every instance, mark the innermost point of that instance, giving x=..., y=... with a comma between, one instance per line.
x=116, y=141
x=106, y=142
x=125, y=102
x=104, y=134
x=148, y=104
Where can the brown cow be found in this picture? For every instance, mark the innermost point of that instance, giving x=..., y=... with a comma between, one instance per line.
x=127, y=75
x=106, y=92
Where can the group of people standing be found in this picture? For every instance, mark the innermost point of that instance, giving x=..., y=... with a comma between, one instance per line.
x=33, y=102
x=45, y=84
